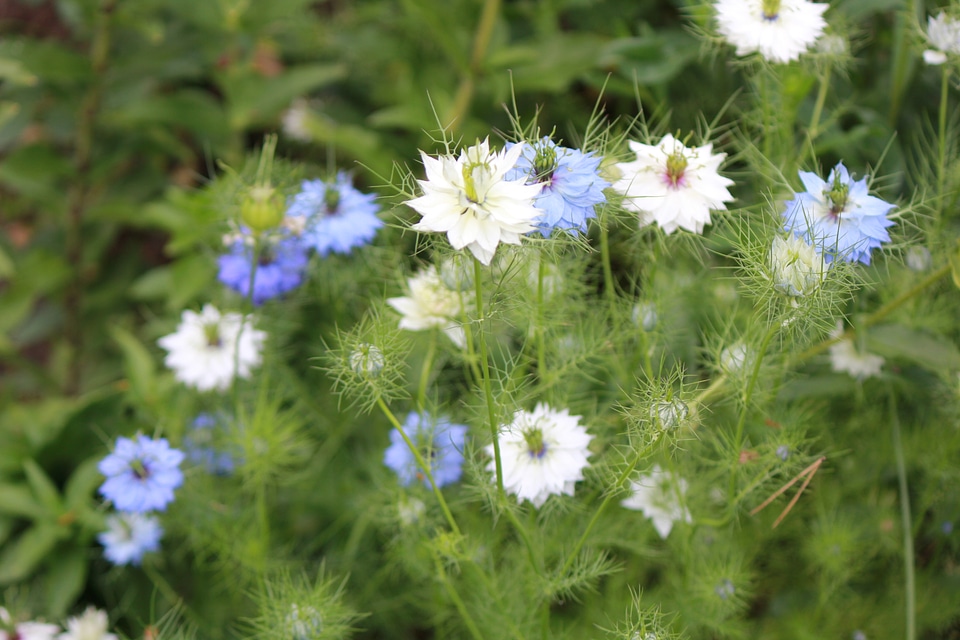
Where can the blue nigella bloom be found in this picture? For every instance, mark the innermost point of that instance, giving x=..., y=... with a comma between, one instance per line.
x=142, y=474
x=572, y=185
x=280, y=268
x=438, y=441
x=199, y=444
x=838, y=216
x=337, y=216
x=129, y=536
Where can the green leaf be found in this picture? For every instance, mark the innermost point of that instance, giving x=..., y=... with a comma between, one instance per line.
x=12, y=71
x=21, y=558
x=42, y=486
x=926, y=349
x=138, y=364
x=81, y=484
x=17, y=500
x=64, y=581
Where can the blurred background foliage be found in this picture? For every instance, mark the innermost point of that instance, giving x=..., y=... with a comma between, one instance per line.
x=114, y=114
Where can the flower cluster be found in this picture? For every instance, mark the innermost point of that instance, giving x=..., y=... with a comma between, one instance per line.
x=439, y=442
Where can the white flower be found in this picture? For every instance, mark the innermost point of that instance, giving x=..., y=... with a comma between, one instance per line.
x=468, y=199
x=431, y=304
x=673, y=185
x=943, y=33
x=780, y=30
x=92, y=625
x=660, y=496
x=26, y=630
x=202, y=352
x=294, y=121
x=796, y=267
x=845, y=357
x=542, y=452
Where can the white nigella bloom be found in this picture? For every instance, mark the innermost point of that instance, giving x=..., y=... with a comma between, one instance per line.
x=659, y=495
x=673, y=185
x=779, y=30
x=796, y=267
x=943, y=32
x=25, y=630
x=542, y=452
x=203, y=351
x=294, y=121
x=92, y=625
x=431, y=304
x=845, y=357
x=468, y=199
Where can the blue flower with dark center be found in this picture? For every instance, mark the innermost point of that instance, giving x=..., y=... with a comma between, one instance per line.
x=439, y=442
x=337, y=216
x=141, y=474
x=572, y=186
x=200, y=444
x=280, y=268
x=129, y=536
x=838, y=216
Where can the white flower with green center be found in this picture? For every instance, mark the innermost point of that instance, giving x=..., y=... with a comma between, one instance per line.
x=204, y=351
x=673, y=185
x=846, y=358
x=796, y=268
x=659, y=495
x=543, y=452
x=779, y=30
x=468, y=199
x=943, y=32
x=431, y=304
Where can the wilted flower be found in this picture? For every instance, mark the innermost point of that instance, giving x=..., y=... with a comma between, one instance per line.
x=337, y=217
x=673, y=185
x=470, y=199
x=543, y=452
x=129, y=536
x=439, y=442
x=943, y=32
x=845, y=357
x=203, y=351
x=796, y=267
x=572, y=186
x=779, y=30
x=838, y=216
x=431, y=305
x=659, y=495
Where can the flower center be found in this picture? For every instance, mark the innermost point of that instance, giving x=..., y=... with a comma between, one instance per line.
x=676, y=167
x=212, y=333
x=771, y=10
x=331, y=200
x=469, y=182
x=267, y=257
x=837, y=197
x=140, y=470
x=535, y=444
x=544, y=164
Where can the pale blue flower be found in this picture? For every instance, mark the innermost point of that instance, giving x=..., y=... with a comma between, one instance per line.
x=280, y=268
x=141, y=475
x=129, y=536
x=838, y=216
x=337, y=217
x=572, y=186
x=200, y=445
x=439, y=442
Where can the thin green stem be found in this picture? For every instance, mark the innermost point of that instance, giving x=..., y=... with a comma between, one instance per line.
x=907, y=520
x=421, y=464
x=425, y=371
x=541, y=340
x=813, y=131
x=457, y=600
x=485, y=376
x=942, y=134
x=608, y=286
x=247, y=312
x=464, y=95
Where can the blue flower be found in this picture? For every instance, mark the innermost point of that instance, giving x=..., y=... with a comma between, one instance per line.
x=129, y=536
x=838, y=217
x=571, y=184
x=280, y=268
x=141, y=475
x=438, y=441
x=338, y=217
x=200, y=442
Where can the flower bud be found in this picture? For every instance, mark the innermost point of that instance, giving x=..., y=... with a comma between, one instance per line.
x=367, y=360
x=304, y=623
x=796, y=267
x=262, y=209
x=669, y=413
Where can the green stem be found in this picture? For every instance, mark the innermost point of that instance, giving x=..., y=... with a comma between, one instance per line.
x=541, y=340
x=247, y=312
x=421, y=464
x=907, y=519
x=608, y=286
x=876, y=316
x=425, y=371
x=813, y=131
x=464, y=95
x=457, y=600
x=942, y=133
x=485, y=376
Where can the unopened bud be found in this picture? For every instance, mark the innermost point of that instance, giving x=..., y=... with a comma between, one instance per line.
x=669, y=413
x=262, y=209
x=367, y=360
